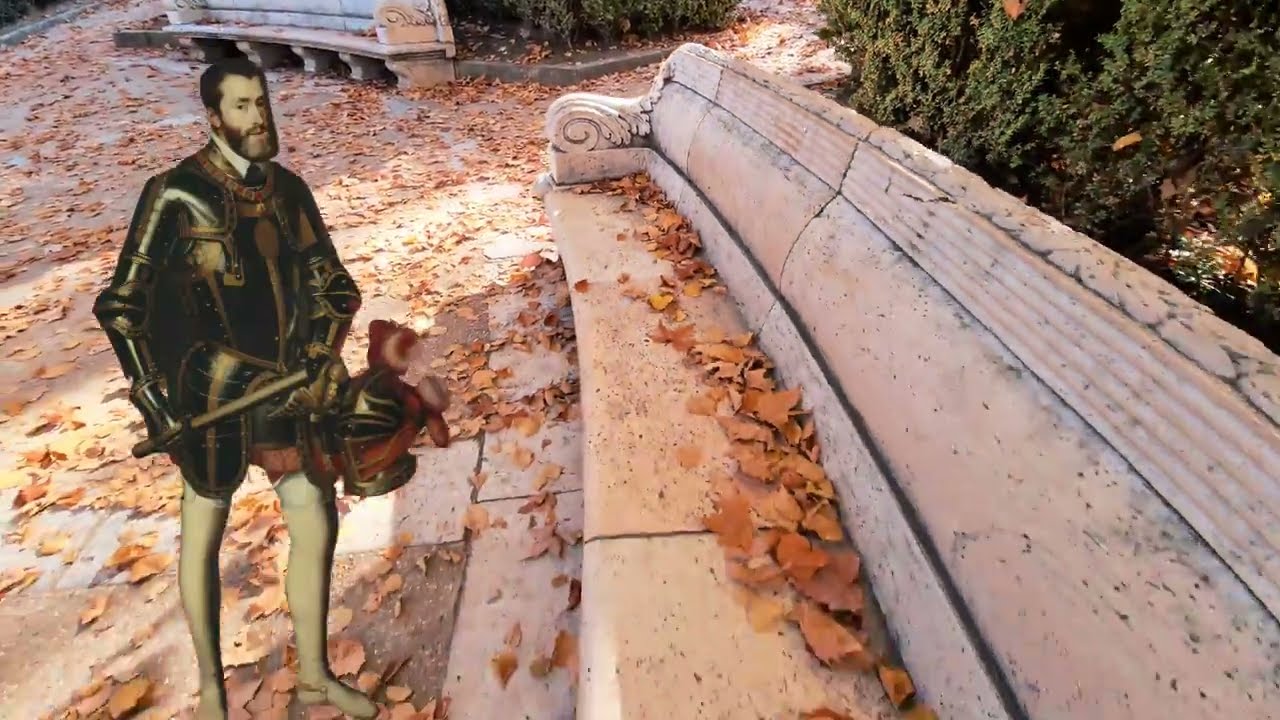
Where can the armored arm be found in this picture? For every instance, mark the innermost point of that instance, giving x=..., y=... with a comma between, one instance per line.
x=124, y=308
x=333, y=297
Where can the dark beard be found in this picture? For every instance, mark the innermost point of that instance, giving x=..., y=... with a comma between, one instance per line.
x=240, y=143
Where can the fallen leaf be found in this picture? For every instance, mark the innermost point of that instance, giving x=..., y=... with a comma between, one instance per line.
x=798, y=557
x=763, y=612
x=540, y=667
x=835, y=585
x=732, y=522
x=565, y=654
x=521, y=456
x=97, y=606
x=149, y=565
x=270, y=601
x=348, y=657
x=1131, y=139
x=779, y=509
x=897, y=685
x=681, y=337
x=919, y=712
x=476, y=518
x=128, y=697
x=398, y=693
x=504, y=666
x=744, y=430
x=689, y=456
x=1014, y=8
x=660, y=301
x=824, y=522
x=774, y=407
x=53, y=544
x=548, y=474
x=703, y=404
x=368, y=682
x=830, y=641
x=582, y=285
x=55, y=371
x=575, y=594
x=825, y=713
x=391, y=583
x=339, y=618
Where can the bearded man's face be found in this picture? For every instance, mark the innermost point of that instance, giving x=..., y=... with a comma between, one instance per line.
x=244, y=118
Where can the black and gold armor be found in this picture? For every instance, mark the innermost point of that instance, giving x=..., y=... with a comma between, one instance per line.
x=220, y=287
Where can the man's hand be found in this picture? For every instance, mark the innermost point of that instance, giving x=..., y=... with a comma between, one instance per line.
x=327, y=375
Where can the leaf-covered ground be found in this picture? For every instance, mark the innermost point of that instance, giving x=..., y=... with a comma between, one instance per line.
x=427, y=195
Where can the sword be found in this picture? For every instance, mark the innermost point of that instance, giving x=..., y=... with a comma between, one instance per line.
x=238, y=406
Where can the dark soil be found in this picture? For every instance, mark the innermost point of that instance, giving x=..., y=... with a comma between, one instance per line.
x=514, y=43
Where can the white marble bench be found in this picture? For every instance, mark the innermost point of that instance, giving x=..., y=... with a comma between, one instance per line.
x=1063, y=474
x=411, y=38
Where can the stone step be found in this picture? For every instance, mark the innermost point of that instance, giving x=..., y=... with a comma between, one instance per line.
x=662, y=631
x=414, y=64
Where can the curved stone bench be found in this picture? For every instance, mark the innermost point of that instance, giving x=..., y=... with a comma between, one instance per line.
x=411, y=38
x=1062, y=473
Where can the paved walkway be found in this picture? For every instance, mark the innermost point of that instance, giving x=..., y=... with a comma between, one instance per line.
x=436, y=595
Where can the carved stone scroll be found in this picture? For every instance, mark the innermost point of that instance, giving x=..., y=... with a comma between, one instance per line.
x=181, y=12
x=411, y=21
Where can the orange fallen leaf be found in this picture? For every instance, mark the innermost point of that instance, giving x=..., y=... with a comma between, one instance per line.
x=660, y=301
x=689, y=456
x=348, y=657
x=97, y=606
x=581, y=286
x=128, y=697
x=824, y=523
x=565, y=653
x=522, y=456
x=897, y=685
x=830, y=641
x=549, y=473
x=1014, y=8
x=732, y=522
x=835, y=585
x=398, y=693
x=339, y=618
x=703, y=404
x=149, y=565
x=798, y=557
x=825, y=713
x=1132, y=138
x=504, y=666
x=53, y=544
x=476, y=518
x=774, y=407
x=54, y=371
x=391, y=583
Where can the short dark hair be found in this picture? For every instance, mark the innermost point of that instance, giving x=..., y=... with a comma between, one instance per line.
x=211, y=78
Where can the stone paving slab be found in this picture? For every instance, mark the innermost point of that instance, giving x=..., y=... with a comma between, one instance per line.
x=554, y=444
x=428, y=508
x=693, y=640
x=501, y=591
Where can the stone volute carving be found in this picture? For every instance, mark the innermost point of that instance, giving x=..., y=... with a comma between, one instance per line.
x=584, y=122
x=186, y=11
x=409, y=21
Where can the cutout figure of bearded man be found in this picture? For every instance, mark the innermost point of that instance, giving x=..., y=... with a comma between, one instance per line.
x=228, y=281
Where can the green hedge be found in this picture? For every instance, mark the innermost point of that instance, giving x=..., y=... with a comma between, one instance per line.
x=602, y=18
x=1037, y=104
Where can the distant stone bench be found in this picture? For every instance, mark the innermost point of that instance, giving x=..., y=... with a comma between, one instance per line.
x=1063, y=474
x=411, y=38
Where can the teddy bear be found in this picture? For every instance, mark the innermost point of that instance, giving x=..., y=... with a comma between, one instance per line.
x=398, y=351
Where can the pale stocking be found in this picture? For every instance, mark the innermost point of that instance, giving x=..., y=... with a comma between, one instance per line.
x=311, y=515
x=199, y=586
